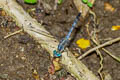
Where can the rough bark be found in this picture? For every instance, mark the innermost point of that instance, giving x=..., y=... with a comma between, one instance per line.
x=47, y=41
x=81, y=7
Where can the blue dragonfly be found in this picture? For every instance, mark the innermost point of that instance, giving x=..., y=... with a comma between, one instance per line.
x=64, y=42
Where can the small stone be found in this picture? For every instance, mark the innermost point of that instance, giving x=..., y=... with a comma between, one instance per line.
x=22, y=49
x=23, y=58
x=1, y=64
x=4, y=76
x=17, y=56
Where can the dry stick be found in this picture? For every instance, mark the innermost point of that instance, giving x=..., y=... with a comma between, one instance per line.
x=96, y=41
x=94, y=38
x=16, y=32
x=82, y=7
x=113, y=56
x=100, y=46
x=116, y=58
x=109, y=53
x=101, y=64
x=32, y=27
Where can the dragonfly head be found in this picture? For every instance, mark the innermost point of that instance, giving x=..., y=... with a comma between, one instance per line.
x=56, y=53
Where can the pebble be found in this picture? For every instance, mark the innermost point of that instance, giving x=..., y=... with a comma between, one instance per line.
x=4, y=76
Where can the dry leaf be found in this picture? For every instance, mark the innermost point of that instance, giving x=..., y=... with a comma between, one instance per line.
x=56, y=64
x=76, y=54
x=108, y=7
x=114, y=28
x=35, y=75
x=51, y=69
x=82, y=43
x=3, y=13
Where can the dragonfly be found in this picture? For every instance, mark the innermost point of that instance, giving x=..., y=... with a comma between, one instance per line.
x=64, y=42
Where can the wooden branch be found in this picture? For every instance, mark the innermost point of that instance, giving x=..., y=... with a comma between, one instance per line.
x=81, y=7
x=38, y=32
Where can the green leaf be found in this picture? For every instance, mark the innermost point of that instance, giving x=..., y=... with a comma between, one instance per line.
x=85, y=1
x=30, y=1
x=60, y=1
x=90, y=4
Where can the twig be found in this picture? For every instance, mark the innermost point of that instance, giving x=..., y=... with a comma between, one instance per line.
x=99, y=53
x=116, y=58
x=109, y=53
x=95, y=40
x=101, y=64
x=94, y=15
x=113, y=56
x=100, y=46
x=16, y=32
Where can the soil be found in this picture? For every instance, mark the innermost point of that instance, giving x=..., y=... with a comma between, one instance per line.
x=21, y=54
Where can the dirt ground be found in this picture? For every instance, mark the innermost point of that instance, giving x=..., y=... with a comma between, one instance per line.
x=21, y=54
